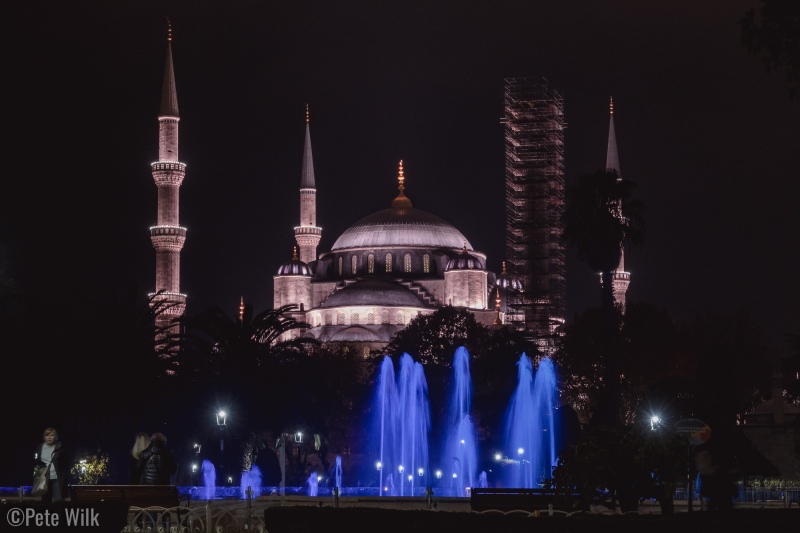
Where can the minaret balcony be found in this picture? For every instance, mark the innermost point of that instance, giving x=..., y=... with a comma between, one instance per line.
x=168, y=172
x=621, y=275
x=168, y=303
x=307, y=230
x=169, y=238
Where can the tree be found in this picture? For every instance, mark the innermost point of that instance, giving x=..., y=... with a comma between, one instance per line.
x=773, y=34
x=649, y=346
x=233, y=350
x=432, y=339
x=601, y=219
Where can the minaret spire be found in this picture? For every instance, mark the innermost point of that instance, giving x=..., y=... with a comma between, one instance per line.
x=168, y=236
x=620, y=278
x=308, y=234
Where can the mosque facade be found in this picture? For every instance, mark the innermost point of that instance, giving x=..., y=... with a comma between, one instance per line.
x=382, y=272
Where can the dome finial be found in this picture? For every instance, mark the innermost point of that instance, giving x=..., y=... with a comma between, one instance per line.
x=611, y=104
x=294, y=255
x=465, y=248
x=241, y=308
x=401, y=200
x=497, y=320
x=306, y=113
x=169, y=30
x=503, y=272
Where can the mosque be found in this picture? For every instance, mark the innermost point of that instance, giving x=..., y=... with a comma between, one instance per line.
x=383, y=271
x=400, y=261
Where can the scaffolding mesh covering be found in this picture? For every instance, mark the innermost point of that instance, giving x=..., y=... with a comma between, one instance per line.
x=534, y=146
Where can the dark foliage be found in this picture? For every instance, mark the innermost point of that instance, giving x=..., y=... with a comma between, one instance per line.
x=773, y=33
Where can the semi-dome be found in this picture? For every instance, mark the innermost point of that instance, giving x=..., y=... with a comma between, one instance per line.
x=464, y=261
x=294, y=267
x=356, y=334
x=373, y=292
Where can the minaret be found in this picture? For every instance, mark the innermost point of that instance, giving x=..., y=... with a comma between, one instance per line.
x=620, y=278
x=308, y=234
x=167, y=235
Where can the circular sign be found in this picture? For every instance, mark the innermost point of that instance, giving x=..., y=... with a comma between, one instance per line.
x=696, y=431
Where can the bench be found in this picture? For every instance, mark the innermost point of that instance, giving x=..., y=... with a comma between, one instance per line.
x=501, y=499
x=141, y=496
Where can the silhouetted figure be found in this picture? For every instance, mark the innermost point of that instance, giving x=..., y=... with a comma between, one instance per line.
x=714, y=474
x=156, y=464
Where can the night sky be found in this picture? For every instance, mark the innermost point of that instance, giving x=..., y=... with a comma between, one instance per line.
x=712, y=140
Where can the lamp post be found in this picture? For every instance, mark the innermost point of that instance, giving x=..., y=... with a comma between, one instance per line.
x=222, y=417
x=298, y=439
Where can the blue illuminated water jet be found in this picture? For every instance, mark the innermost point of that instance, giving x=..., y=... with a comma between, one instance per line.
x=402, y=423
x=460, y=455
x=251, y=479
x=530, y=429
x=209, y=479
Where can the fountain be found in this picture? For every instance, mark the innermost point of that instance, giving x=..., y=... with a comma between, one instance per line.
x=251, y=479
x=337, y=476
x=399, y=437
x=530, y=431
x=460, y=455
x=209, y=479
x=313, y=484
x=402, y=423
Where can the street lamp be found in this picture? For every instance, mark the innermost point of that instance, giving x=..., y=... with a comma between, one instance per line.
x=655, y=421
x=222, y=418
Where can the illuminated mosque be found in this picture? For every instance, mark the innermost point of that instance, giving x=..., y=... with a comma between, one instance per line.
x=401, y=262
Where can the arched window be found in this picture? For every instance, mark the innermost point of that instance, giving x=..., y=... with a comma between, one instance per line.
x=354, y=318
x=426, y=263
x=370, y=318
x=407, y=263
x=354, y=264
x=388, y=262
x=371, y=264
x=340, y=318
x=340, y=266
x=385, y=317
x=400, y=318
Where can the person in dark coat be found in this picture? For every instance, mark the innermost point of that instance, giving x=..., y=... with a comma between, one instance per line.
x=140, y=444
x=156, y=464
x=52, y=454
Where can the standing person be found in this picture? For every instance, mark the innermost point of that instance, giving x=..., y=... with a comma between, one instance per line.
x=156, y=463
x=141, y=442
x=52, y=454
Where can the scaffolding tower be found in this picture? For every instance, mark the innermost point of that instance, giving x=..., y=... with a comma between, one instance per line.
x=534, y=144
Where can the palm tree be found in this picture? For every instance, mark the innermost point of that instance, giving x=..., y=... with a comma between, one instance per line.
x=600, y=220
x=215, y=344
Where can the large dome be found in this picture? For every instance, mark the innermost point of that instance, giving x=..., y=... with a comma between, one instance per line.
x=401, y=227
